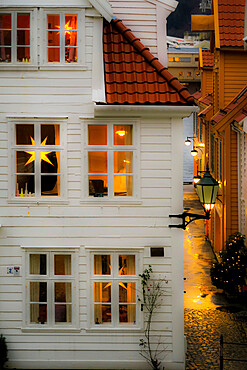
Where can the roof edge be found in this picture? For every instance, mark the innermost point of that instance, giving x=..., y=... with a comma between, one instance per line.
x=104, y=8
x=153, y=61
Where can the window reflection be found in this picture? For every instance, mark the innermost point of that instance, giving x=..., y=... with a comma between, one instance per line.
x=102, y=264
x=122, y=134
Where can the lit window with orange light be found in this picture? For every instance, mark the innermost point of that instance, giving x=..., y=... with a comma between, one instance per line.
x=37, y=160
x=115, y=281
x=15, y=39
x=110, y=160
x=62, y=38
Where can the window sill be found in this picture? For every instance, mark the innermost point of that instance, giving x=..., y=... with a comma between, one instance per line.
x=117, y=330
x=50, y=330
x=38, y=201
x=102, y=201
x=63, y=67
x=17, y=67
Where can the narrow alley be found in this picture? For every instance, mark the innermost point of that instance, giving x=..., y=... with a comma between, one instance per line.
x=208, y=313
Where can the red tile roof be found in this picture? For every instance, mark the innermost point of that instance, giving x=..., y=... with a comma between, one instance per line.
x=231, y=106
x=197, y=95
x=231, y=22
x=205, y=112
x=133, y=75
x=207, y=59
x=207, y=100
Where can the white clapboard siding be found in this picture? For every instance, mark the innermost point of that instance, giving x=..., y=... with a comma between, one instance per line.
x=79, y=222
x=140, y=17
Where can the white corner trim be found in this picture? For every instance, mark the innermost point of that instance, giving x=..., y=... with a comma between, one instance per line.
x=98, y=75
x=104, y=8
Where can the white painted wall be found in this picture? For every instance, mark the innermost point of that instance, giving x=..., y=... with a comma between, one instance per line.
x=73, y=222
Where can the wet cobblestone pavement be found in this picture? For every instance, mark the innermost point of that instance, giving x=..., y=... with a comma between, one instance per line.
x=208, y=313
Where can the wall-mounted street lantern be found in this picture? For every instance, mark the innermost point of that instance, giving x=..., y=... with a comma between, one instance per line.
x=188, y=141
x=207, y=189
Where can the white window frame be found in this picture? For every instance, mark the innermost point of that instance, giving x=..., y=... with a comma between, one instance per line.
x=33, y=37
x=37, y=122
x=110, y=148
x=114, y=278
x=80, y=41
x=50, y=278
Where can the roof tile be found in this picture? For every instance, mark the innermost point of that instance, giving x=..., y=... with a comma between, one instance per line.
x=133, y=75
x=231, y=106
x=207, y=58
x=231, y=22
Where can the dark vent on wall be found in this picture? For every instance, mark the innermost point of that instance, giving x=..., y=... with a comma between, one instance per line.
x=157, y=251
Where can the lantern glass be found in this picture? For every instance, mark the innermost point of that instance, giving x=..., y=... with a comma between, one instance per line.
x=207, y=189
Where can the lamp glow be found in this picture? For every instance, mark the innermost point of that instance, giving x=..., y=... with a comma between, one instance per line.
x=194, y=152
x=196, y=179
x=121, y=132
x=187, y=142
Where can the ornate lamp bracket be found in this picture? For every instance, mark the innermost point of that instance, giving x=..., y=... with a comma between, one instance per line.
x=188, y=217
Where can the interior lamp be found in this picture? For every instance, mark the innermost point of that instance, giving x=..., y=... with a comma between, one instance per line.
x=120, y=132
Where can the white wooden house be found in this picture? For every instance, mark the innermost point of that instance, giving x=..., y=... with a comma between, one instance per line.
x=90, y=169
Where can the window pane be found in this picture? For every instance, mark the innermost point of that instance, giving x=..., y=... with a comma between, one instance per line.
x=126, y=265
x=53, y=21
x=102, y=264
x=98, y=185
x=24, y=161
x=50, y=162
x=63, y=292
x=127, y=292
x=24, y=186
x=5, y=55
x=71, y=55
x=102, y=292
x=102, y=314
x=23, y=20
x=122, y=134
x=23, y=37
x=53, y=55
x=97, y=134
x=23, y=54
x=127, y=313
x=38, y=291
x=38, y=313
x=24, y=134
x=97, y=162
x=53, y=38
x=38, y=264
x=50, y=185
x=50, y=134
x=5, y=21
x=123, y=162
x=123, y=185
x=63, y=313
x=71, y=22
x=62, y=264
x=5, y=38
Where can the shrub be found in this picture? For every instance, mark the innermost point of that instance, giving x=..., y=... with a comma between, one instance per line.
x=3, y=351
x=230, y=273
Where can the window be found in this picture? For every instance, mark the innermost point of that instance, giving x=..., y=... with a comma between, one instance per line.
x=15, y=37
x=50, y=289
x=185, y=60
x=62, y=37
x=110, y=156
x=37, y=157
x=114, y=284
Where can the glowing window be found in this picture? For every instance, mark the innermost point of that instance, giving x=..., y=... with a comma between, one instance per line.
x=50, y=284
x=37, y=156
x=62, y=38
x=114, y=286
x=110, y=160
x=15, y=39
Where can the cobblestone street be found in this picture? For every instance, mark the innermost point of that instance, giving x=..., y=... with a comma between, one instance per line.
x=208, y=313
